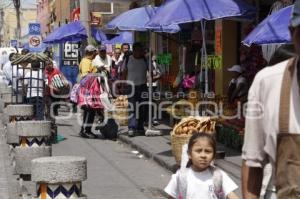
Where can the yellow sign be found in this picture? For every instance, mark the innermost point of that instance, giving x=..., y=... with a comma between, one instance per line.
x=214, y=61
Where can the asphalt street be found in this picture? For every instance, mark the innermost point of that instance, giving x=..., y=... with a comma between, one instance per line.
x=115, y=170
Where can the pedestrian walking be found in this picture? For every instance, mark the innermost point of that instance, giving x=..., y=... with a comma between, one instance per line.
x=116, y=63
x=86, y=67
x=272, y=126
x=34, y=82
x=52, y=89
x=200, y=179
x=238, y=85
x=136, y=72
x=122, y=62
x=102, y=61
x=7, y=68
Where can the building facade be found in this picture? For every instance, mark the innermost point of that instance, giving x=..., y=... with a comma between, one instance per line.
x=28, y=15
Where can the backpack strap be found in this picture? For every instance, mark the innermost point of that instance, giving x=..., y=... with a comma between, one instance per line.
x=181, y=183
x=285, y=95
x=217, y=178
x=217, y=182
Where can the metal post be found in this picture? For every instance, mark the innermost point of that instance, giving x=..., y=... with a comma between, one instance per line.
x=84, y=16
x=150, y=84
x=150, y=131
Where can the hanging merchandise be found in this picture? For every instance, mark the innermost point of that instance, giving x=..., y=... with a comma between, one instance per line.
x=181, y=71
x=204, y=63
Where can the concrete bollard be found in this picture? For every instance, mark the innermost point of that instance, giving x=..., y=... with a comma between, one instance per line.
x=5, y=89
x=34, y=143
x=59, y=177
x=18, y=112
x=6, y=98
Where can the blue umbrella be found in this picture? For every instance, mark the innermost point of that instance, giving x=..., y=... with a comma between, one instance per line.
x=74, y=31
x=185, y=11
x=273, y=29
x=98, y=35
x=136, y=19
x=124, y=37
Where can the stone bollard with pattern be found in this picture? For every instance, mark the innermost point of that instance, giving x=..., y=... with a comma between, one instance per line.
x=33, y=143
x=15, y=113
x=59, y=177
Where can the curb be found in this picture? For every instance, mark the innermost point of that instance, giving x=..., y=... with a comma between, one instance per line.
x=167, y=165
x=171, y=167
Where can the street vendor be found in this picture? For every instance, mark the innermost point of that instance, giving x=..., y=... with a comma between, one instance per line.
x=86, y=67
x=238, y=86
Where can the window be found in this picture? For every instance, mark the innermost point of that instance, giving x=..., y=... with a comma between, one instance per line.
x=103, y=7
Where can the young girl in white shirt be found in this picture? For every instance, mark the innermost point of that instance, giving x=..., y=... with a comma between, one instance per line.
x=199, y=179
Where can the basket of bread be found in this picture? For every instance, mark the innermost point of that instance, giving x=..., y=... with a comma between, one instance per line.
x=184, y=130
x=121, y=110
x=121, y=101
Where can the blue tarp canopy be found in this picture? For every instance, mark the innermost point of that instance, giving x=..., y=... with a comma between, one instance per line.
x=98, y=35
x=274, y=29
x=185, y=11
x=124, y=37
x=74, y=31
x=136, y=20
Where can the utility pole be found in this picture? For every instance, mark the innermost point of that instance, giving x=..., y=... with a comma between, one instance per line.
x=1, y=25
x=17, y=6
x=84, y=16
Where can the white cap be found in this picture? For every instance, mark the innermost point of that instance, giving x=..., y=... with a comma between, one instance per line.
x=236, y=68
x=295, y=18
x=90, y=48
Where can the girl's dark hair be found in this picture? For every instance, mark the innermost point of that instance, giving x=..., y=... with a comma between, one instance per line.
x=199, y=135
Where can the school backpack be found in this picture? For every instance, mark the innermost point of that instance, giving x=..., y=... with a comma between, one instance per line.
x=182, y=178
x=217, y=183
x=109, y=129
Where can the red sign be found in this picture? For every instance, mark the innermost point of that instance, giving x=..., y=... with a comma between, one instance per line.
x=75, y=15
x=34, y=41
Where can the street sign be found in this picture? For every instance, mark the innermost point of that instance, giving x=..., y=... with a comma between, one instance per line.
x=35, y=38
x=14, y=43
x=34, y=28
x=34, y=41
